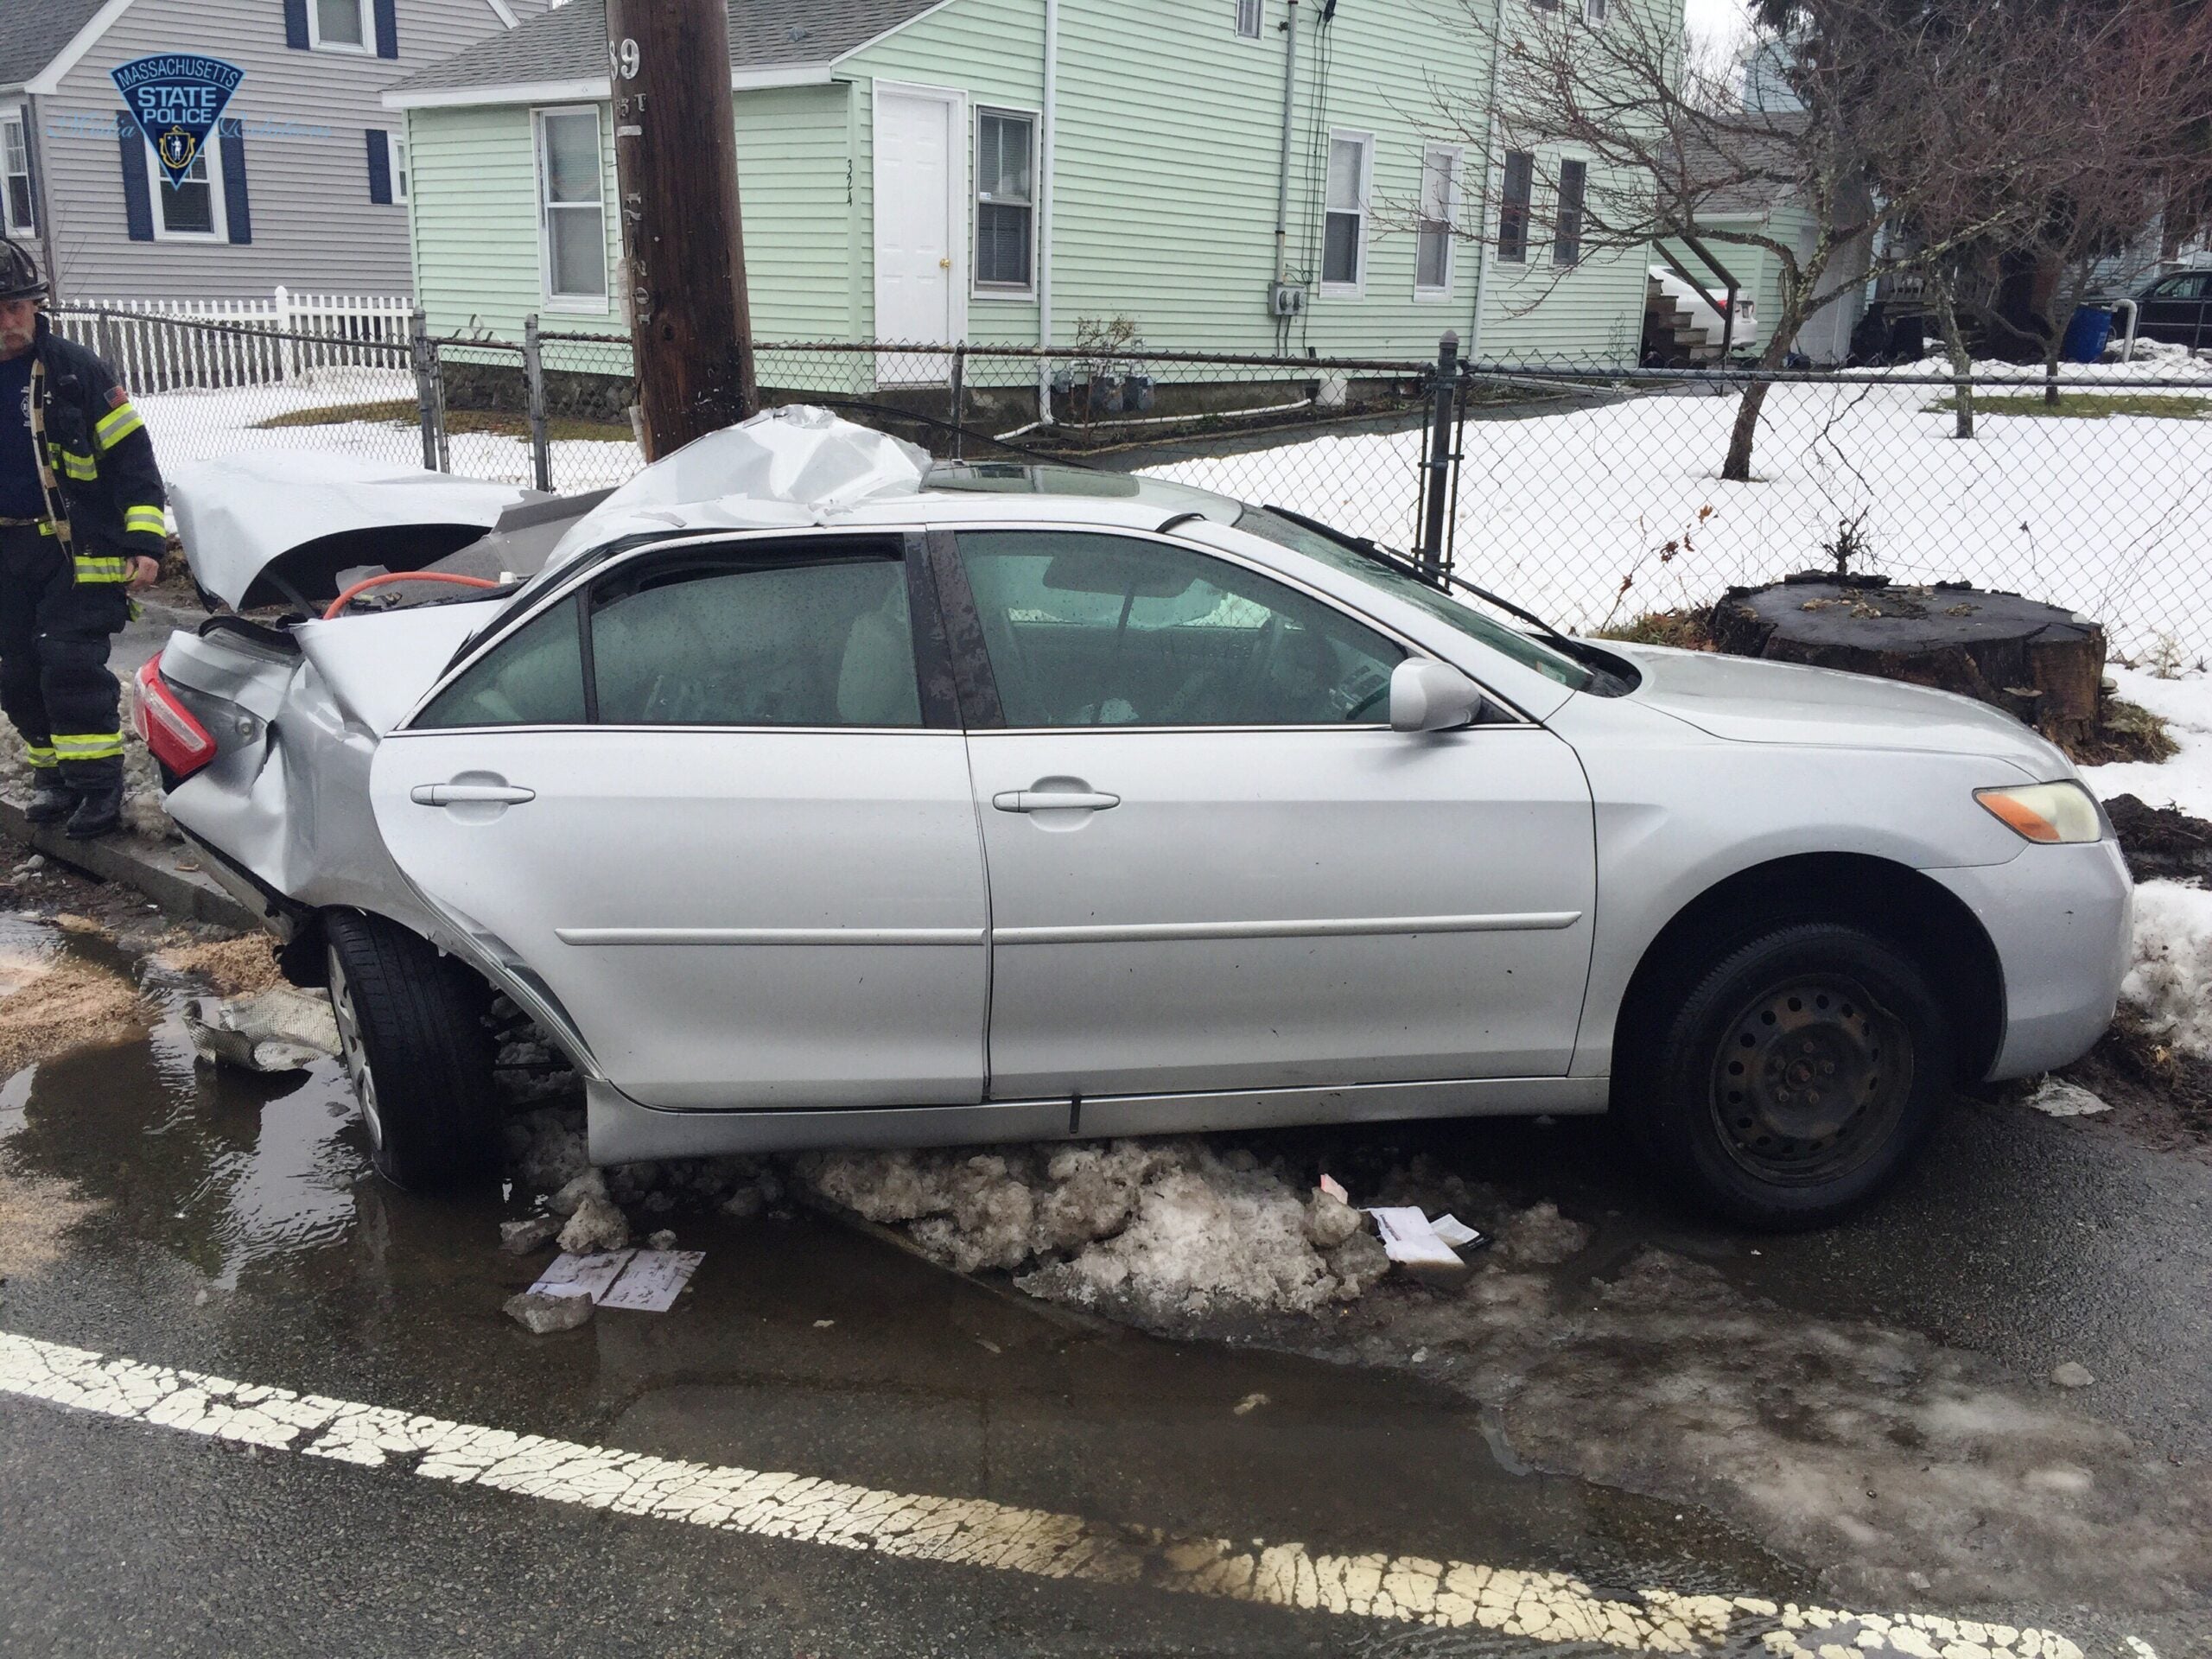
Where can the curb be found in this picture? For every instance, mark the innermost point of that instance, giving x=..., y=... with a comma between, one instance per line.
x=157, y=870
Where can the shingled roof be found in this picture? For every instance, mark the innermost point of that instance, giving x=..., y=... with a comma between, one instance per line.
x=33, y=33
x=568, y=43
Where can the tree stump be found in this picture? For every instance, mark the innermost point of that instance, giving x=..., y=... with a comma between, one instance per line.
x=2037, y=661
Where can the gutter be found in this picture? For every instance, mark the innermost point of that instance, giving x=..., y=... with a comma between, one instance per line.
x=587, y=89
x=1282, y=176
x=1047, y=140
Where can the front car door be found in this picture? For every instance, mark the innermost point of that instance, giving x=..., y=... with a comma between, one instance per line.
x=2174, y=310
x=704, y=798
x=1214, y=866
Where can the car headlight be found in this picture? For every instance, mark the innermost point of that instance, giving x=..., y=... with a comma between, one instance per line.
x=2062, y=812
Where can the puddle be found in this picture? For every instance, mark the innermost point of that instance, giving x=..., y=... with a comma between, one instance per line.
x=258, y=1192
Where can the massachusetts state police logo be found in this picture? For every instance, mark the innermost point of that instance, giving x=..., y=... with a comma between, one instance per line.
x=176, y=99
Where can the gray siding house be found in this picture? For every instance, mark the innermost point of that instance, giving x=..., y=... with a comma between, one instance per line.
x=305, y=186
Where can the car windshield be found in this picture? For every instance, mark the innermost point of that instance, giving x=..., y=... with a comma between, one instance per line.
x=1341, y=555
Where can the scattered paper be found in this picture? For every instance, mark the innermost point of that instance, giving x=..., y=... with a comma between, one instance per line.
x=653, y=1280
x=1408, y=1239
x=1455, y=1233
x=1334, y=1188
x=646, y=1282
x=581, y=1275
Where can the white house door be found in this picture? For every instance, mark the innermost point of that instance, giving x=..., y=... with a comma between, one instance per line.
x=920, y=168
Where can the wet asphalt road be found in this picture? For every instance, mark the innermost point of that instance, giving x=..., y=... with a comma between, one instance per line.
x=236, y=1230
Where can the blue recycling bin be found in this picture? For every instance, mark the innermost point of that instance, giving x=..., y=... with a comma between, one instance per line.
x=2086, y=333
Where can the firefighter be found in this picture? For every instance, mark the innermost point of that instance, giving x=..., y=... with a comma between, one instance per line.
x=80, y=526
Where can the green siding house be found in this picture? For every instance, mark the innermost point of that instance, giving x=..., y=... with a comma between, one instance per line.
x=1000, y=171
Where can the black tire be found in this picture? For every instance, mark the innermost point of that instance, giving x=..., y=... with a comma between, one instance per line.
x=1796, y=1077
x=410, y=1026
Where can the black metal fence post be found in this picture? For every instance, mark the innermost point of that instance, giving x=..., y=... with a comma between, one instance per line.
x=1435, y=495
x=533, y=371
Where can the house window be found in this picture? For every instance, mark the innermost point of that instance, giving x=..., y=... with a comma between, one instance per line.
x=1513, y=210
x=1433, y=227
x=1344, y=227
x=1006, y=200
x=190, y=211
x=1566, y=226
x=340, y=26
x=571, y=208
x=396, y=147
x=1593, y=11
x=1249, y=18
x=16, y=174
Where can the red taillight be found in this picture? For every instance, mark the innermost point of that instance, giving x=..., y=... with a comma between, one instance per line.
x=179, y=741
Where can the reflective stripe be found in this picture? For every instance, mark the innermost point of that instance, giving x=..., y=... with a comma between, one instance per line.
x=116, y=425
x=146, y=518
x=91, y=568
x=38, y=757
x=46, y=526
x=87, y=746
x=83, y=468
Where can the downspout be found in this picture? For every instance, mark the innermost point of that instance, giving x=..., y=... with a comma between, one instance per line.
x=1282, y=176
x=1047, y=125
x=1474, y=351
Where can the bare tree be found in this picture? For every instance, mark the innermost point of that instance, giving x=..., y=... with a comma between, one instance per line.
x=1895, y=126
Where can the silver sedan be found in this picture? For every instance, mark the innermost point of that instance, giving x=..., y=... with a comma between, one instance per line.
x=853, y=800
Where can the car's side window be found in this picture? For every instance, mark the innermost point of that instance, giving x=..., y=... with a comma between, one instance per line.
x=779, y=637
x=533, y=677
x=1090, y=629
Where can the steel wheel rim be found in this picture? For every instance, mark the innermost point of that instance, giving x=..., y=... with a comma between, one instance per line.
x=353, y=1053
x=1812, y=1077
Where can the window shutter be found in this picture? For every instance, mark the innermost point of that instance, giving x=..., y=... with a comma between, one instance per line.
x=234, y=202
x=137, y=200
x=387, y=28
x=296, y=24
x=379, y=167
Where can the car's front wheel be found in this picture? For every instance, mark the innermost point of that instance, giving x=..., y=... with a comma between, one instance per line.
x=411, y=1034
x=1795, y=1077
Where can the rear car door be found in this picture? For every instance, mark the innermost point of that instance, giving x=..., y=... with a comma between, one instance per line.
x=1212, y=864
x=704, y=798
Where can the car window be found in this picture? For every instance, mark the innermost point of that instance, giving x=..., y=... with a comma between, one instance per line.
x=1085, y=629
x=535, y=677
x=1519, y=646
x=2181, y=288
x=764, y=637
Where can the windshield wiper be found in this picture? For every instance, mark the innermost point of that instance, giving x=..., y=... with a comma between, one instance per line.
x=1391, y=558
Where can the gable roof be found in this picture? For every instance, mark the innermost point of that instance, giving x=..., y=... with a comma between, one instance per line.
x=33, y=32
x=566, y=47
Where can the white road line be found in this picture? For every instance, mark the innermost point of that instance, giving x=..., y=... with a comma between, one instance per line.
x=974, y=1532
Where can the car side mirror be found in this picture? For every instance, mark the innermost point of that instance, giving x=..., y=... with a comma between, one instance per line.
x=1431, y=697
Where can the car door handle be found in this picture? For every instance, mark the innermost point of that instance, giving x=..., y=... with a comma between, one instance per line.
x=1052, y=800
x=456, y=794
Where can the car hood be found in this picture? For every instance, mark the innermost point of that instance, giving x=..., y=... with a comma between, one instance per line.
x=1744, y=700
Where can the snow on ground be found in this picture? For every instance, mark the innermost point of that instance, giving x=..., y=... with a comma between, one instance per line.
x=204, y=425
x=1558, y=509
x=2184, y=781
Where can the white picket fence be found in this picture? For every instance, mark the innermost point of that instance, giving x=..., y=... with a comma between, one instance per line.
x=172, y=345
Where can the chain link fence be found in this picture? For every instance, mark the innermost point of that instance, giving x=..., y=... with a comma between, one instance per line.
x=1593, y=494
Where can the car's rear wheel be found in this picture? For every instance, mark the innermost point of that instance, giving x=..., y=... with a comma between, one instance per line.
x=411, y=1034
x=1796, y=1077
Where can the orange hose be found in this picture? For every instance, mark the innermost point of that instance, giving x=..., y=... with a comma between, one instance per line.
x=346, y=598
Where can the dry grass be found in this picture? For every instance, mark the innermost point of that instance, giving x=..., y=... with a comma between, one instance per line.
x=401, y=412
x=1685, y=630
x=2081, y=405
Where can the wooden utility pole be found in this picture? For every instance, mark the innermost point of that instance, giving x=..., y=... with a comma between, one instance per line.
x=684, y=248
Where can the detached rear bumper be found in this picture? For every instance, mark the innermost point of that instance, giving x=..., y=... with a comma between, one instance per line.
x=2063, y=921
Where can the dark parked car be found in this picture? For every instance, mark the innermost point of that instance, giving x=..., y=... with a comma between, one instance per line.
x=2177, y=309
